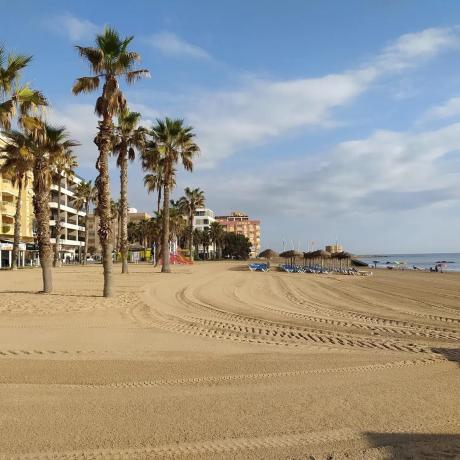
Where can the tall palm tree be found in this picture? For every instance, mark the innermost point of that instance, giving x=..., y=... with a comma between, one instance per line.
x=14, y=97
x=217, y=234
x=115, y=213
x=172, y=142
x=206, y=241
x=197, y=239
x=128, y=136
x=18, y=159
x=64, y=164
x=109, y=60
x=49, y=144
x=153, y=181
x=85, y=194
x=189, y=203
x=177, y=223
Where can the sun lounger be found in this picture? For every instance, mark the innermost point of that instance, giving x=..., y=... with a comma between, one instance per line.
x=256, y=267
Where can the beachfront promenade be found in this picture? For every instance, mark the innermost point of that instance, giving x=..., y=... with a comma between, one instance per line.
x=214, y=361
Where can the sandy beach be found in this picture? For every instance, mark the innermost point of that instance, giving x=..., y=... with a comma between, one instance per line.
x=214, y=361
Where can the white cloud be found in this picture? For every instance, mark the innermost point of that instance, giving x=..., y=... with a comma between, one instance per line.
x=410, y=48
x=261, y=110
x=171, y=45
x=388, y=171
x=72, y=27
x=449, y=109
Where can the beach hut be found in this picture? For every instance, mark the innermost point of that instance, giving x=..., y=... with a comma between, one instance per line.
x=268, y=254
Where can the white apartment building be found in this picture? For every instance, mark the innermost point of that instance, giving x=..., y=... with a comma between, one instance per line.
x=202, y=220
x=72, y=221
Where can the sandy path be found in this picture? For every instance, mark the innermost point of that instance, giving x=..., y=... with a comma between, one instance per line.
x=216, y=362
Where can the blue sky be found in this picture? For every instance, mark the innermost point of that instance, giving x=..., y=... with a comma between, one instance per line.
x=328, y=120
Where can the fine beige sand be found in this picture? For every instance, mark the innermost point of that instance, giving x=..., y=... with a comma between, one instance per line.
x=214, y=361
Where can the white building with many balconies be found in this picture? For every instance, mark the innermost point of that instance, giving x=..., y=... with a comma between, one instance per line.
x=72, y=239
x=202, y=221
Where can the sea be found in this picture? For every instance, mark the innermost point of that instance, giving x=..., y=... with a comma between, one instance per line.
x=422, y=261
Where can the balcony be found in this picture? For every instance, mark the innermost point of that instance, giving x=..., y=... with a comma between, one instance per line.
x=8, y=189
x=8, y=208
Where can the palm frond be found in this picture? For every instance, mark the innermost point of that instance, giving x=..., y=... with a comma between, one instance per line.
x=135, y=75
x=85, y=85
x=94, y=56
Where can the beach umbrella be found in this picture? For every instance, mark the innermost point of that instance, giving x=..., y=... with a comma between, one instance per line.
x=320, y=254
x=307, y=256
x=291, y=254
x=268, y=254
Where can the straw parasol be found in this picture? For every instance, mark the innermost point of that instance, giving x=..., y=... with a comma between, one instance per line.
x=307, y=256
x=321, y=255
x=268, y=254
x=291, y=254
x=344, y=256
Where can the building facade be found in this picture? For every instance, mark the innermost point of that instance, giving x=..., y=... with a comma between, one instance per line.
x=72, y=221
x=72, y=240
x=202, y=221
x=240, y=223
x=334, y=248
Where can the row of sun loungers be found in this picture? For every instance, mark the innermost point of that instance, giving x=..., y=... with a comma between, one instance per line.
x=299, y=269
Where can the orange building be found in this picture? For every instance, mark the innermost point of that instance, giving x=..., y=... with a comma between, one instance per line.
x=239, y=222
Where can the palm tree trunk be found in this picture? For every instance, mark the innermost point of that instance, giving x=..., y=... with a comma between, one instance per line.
x=85, y=252
x=41, y=209
x=17, y=227
x=159, y=200
x=190, y=237
x=123, y=227
x=56, y=261
x=103, y=141
x=165, y=247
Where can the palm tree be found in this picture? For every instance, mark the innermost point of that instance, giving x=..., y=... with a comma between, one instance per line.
x=16, y=98
x=171, y=142
x=143, y=227
x=128, y=136
x=217, y=234
x=17, y=153
x=49, y=143
x=115, y=213
x=152, y=181
x=64, y=164
x=206, y=241
x=155, y=229
x=193, y=199
x=110, y=59
x=197, y=239
x=85, y=194
x=177, y=223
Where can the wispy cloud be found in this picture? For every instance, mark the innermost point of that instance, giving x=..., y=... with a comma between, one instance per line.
x=448, y=109
x=262, y=109
x=72, y=27
x=170, y=44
